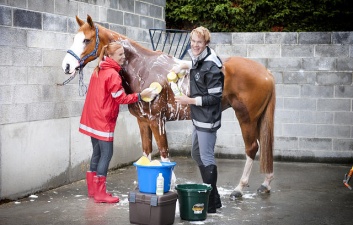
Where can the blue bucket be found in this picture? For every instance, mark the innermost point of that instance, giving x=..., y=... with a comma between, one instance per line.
x=147, y=176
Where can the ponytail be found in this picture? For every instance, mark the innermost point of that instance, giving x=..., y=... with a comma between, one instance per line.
x=107, y=50
x=100, y=58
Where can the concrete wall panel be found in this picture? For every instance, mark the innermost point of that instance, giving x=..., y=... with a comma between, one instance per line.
x=40, y=144
x=33, y=153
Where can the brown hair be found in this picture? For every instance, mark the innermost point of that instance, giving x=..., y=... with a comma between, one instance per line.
x=107, y=50
x=203, y=32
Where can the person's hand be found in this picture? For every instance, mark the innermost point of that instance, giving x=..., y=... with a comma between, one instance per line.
x=181, y=67
x=176, y=68
x=148, y=93
x=184, y=100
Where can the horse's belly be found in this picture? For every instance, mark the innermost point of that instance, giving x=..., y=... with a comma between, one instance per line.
x=177, y=112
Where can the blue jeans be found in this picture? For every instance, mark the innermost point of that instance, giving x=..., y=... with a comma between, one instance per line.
x=101, y=156
x=203, y=144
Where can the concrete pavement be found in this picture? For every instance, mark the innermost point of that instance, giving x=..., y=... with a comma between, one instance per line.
x=302, y=193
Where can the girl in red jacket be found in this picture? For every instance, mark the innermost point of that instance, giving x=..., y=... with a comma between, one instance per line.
x=99, y=115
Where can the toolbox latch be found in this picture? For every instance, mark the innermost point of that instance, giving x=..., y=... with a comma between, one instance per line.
x=154, y=200
x=132, y=197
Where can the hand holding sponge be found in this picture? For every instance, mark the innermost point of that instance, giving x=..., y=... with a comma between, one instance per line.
x=150, y=93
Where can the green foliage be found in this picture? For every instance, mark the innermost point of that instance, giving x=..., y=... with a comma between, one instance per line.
x=261, y=15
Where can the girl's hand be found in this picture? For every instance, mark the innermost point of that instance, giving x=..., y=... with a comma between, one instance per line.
x=148, y=93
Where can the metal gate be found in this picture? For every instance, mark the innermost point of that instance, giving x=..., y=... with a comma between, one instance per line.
x=171, y=41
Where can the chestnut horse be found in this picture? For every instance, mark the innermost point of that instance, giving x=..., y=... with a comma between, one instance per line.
x=249, y=89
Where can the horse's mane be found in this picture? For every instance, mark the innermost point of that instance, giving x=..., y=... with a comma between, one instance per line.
x=115, y=36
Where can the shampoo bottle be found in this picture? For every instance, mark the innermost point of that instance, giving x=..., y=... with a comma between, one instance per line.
x=160, y=185
x=173, y=78
x=175, y=89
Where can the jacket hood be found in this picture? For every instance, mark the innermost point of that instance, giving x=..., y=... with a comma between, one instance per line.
x=207, y=55
x=108, y=63
x=214, y=58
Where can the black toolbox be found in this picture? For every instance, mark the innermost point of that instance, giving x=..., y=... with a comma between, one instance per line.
x=150, y=209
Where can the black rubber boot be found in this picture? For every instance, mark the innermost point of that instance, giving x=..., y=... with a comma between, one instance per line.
x=209, y=176
x=218, y=202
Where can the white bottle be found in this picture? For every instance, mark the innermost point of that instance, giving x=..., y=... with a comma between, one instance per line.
x=173, y=78
x=160, y=185
x=175, y=89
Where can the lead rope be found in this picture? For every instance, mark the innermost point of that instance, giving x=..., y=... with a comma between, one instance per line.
x=82, y=88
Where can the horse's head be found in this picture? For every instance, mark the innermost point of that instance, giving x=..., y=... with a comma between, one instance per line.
x=85, y=47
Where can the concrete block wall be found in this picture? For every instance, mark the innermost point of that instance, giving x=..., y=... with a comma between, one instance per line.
x=40, y=146
x=313, y=73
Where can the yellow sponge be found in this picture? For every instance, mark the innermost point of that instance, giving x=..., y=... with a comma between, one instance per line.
x=156, y=86
x=172, y=77
x=143, y=161
x=157, y=89
x=155, y=163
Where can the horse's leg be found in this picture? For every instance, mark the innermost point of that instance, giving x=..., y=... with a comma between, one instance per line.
x=266, y=143
x=159, y=133
x=265, y=186
x=251, y=148
x=249, y=132
x=146, y=137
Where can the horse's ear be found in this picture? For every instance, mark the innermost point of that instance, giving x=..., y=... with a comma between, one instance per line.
x=79, y=21
x=90, y=21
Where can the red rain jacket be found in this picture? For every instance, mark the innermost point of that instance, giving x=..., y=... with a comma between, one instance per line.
x=101, y=108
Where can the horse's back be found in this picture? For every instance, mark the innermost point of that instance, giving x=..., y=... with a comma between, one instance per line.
x=245, y=67
x=248, y=84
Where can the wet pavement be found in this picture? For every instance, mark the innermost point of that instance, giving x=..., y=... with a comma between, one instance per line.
x=302, y=193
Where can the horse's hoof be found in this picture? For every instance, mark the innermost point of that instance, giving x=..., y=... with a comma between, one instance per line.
x=235, y=194
x=263, y=190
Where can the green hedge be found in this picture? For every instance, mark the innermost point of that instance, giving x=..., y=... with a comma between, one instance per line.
x=261, y=15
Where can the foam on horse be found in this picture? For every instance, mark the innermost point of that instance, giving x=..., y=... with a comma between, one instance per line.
x=249, y=89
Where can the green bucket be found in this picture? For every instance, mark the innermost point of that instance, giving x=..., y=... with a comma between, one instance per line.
x=193, y=201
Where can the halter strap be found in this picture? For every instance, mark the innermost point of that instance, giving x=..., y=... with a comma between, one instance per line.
x=93, y=53
x=82, y=86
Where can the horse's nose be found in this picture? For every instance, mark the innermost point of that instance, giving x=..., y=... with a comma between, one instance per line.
x=67, y=69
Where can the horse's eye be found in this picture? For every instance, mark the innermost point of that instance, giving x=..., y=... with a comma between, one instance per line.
x=86, y=41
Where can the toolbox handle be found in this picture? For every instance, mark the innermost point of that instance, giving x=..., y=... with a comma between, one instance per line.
x=154, y=200
x=132, y=197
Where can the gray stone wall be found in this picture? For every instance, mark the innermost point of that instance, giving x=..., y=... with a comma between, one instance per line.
x=40, y=146
x=313, y=73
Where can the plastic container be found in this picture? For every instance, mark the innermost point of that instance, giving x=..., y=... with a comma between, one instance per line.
x=175, y=89
x=182, y=73
x=193, y=201
x=160, y=184
x=147, y=176
x=151, y=209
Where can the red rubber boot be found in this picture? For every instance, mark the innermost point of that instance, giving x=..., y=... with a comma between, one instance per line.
x=101, y=195
x=89, y=182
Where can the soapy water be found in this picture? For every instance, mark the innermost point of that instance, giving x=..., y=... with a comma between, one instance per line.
x=162, y=61
x=222, y=214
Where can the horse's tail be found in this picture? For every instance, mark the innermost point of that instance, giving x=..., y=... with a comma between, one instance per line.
x=266, y=134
